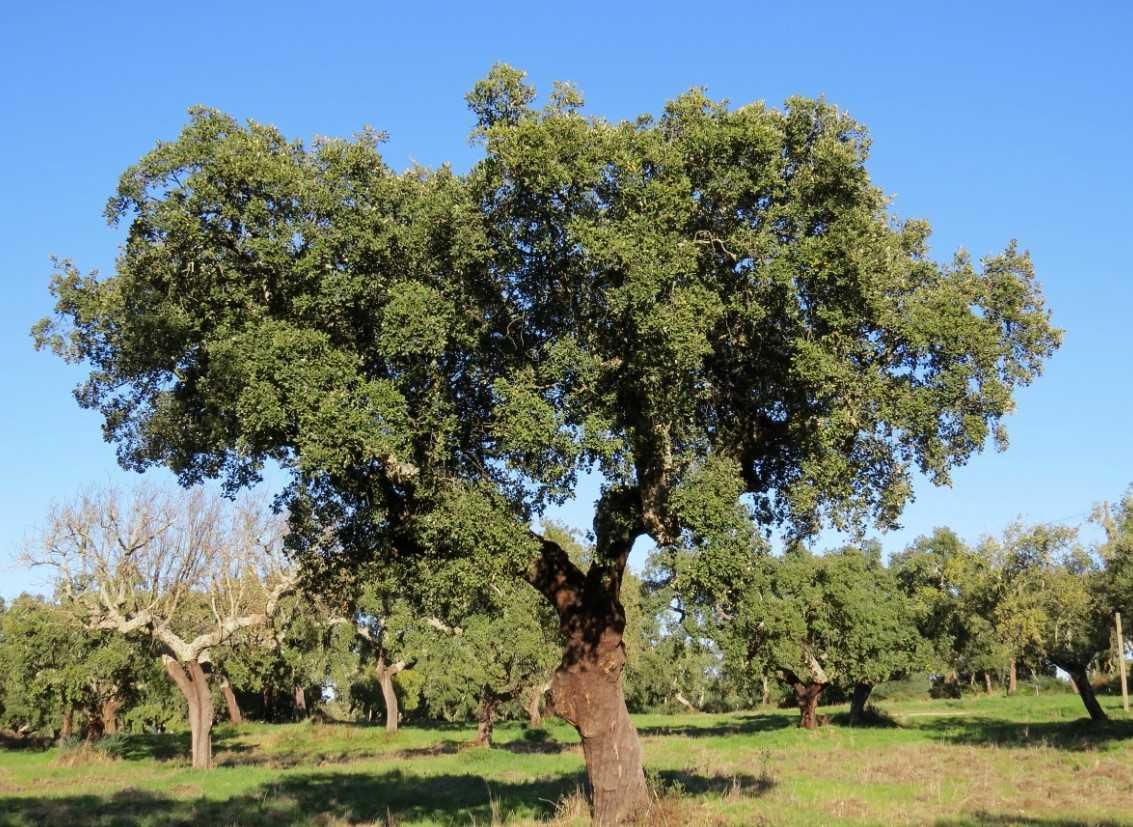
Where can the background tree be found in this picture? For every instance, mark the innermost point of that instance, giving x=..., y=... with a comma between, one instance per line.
x=1116, y=555
x=717, y=286
x=950, y=588
x=184, y=569
x=1072, y=618
x=875, y=638
x=1015, y=600
x=470, y=669
x=279, y=670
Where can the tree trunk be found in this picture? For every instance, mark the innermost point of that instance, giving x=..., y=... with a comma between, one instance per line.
x=488, y=706
x=807, y=694
x=109, y=714
x=300, y=702
x=862, y=691
x=68, y=724
x=104, y=720
x=235, y=716
x=588, y=694
x=685, y=702
x=766, y=699
x=987, y=681
x=389, y=695
x=535, y=705
x=195, y=687
x=1082, y=683
x=587, y=690
x=1012, y=677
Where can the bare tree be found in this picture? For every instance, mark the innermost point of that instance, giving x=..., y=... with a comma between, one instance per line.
x=184, y=567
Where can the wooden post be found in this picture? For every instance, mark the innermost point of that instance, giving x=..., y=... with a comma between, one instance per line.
x=1121, y=662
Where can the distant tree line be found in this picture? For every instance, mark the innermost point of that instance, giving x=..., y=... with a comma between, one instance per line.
x=171, y=609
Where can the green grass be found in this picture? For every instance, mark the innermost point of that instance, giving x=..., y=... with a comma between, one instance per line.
x=1028, y=760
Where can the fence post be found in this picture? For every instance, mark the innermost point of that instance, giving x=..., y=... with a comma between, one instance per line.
x=1121, y=662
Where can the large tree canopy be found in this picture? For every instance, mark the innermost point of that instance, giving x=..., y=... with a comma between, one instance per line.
x=437, y=355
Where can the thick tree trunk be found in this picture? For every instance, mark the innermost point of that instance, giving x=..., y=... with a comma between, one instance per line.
x=300, y=702
x=488, y=706
x=235, y=716
x=987, y=681
x=1012, y=677
x=807, y=694
x=1082, y=683
x=389, y=694
x=586, y=690
x=195, y=687
x=860, y=698
x=766, y=699
x=588, y=694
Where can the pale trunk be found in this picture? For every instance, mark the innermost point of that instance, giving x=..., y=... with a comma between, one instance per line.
x=765, y=700
x=535, y=705
x=68, y=724
x=389, y=695
x=987, y=681
x=194, y=686
x=300, y=702
x=1012, y=677
x=685, y=702
x=110, y=709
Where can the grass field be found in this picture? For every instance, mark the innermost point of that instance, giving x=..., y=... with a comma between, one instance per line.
x=1028, y=760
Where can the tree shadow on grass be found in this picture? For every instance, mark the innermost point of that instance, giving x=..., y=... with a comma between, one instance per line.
x=1076, y=735
x=446, y=799
x=689, y=783
x=747, y=725
x=986, y=819
x=244, y=755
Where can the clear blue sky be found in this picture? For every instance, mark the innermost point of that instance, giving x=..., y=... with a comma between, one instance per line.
x=993, y=121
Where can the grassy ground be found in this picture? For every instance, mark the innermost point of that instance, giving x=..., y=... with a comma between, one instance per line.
x=988, y=761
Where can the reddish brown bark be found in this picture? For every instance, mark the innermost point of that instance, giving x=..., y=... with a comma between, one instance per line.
x=807, y=695
x=235, y=715
x=586, y=690
x=194, y=685
x=489, y=704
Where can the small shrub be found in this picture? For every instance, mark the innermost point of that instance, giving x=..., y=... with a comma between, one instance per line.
x=114, y=745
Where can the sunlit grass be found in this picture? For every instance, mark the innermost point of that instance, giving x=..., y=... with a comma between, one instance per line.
x=1020, y=760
